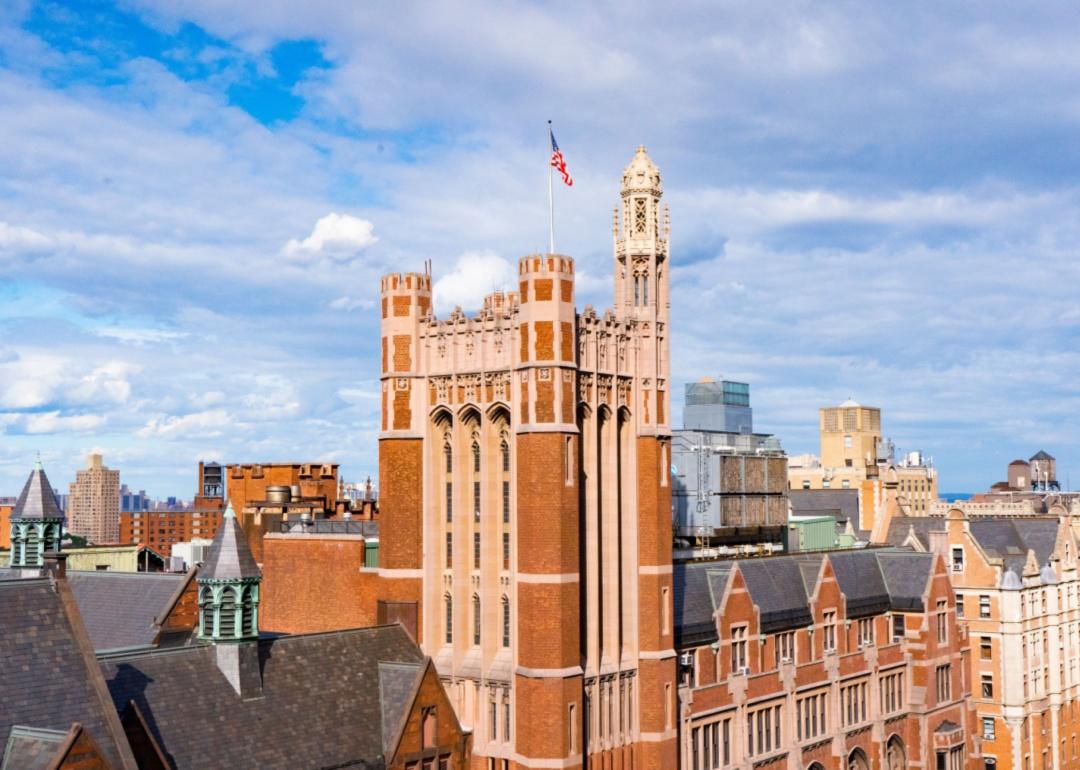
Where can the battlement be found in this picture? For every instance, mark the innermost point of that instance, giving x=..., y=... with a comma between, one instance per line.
x=406, y=282
x=546, y=263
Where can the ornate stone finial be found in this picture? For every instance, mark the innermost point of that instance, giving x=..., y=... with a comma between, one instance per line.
x=37, y=461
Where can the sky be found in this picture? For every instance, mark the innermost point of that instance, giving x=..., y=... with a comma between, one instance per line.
x=878, y=201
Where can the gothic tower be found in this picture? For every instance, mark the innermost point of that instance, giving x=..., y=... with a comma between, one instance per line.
x=36, y=522
x=526, y=512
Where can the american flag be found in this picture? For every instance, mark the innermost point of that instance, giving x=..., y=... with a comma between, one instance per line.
x=558, y=162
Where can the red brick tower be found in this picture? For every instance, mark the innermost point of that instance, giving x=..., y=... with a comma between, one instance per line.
x=548, y=675
x=526, y=507
x=406, y=299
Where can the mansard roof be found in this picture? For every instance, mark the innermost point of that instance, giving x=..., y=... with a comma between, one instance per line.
x=873, y=581
x=327, y=700
x=37, y=500
x=230, y=556
x=50, y=678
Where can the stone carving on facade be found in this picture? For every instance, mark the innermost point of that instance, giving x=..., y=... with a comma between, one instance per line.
x=603, y=387
x=442, y=387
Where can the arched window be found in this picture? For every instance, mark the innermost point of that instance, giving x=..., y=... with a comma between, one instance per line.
x=449, y=453
x=505, y=622
x=476, y=457
x=476, y=620
x=206, y=617
x=644, y=290
x=227, y=613
x=448, y=611
x=504, y=450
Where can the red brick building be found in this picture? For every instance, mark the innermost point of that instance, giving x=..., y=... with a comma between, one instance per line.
x=847, y=660
x=525, y=503
x=161, y=529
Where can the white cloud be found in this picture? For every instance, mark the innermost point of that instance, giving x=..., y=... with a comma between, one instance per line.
x=16, y=238
x=195, y=425
x=474, y=275
x=351, y=303
x=35, y=423
x=339, y=237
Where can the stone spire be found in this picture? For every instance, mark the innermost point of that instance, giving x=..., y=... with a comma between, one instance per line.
x=229, y=586
x=36, y=522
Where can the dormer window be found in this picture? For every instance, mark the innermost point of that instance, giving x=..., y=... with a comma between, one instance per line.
x=957, y=559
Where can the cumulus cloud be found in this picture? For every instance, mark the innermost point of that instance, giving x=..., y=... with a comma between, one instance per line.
x=474, y=275
x=351, y=303
x=339, y=237
x=205, y=424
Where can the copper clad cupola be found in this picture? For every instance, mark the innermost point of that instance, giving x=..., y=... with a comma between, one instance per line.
x=229, y=586
x=36, y=522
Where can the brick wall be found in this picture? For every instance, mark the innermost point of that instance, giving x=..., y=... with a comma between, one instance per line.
x=315, y=583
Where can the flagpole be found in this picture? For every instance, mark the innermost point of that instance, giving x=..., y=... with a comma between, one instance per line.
x=551, y=202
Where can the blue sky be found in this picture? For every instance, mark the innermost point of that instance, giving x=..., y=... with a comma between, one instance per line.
x=869, y=200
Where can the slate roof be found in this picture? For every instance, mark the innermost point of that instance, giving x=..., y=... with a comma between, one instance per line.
x=901, y=526
x=322, y=702
x=841, y=504
x=873, y=581
x=119, y=608
x=31, y=749
x=229, y=557
x=396, y=684
x=1005, y=538
x=49, y=678
x=37, y=501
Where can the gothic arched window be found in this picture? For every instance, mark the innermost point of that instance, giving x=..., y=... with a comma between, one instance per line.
x=476, y=457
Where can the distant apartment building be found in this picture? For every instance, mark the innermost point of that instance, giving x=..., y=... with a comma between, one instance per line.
x=133, y=501
x=842, y=661
x=1017, y=591
x=160, y=530
x=855, y=456
x=730, y=484
x=93, y=508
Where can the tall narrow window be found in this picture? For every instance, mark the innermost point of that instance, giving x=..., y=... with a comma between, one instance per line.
x=476, y=500
x=449, y=457
x=505, y=622
x=476, y=619
x=504, y=450
x=644, y=290
x=569, y=460
x=449, y=501
x=506, y=550
x=506, y=502
x=449, y=550
x=476, y=550
x=448, y=611
x=476, y=457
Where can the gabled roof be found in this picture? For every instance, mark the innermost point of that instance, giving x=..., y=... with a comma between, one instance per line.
x=397, y=682
x=872, y=581
x=31, y=749
x=37, y=501
x=119, y=608
x=229, y=557
x=322, y=701
x=1009, y=539
x=49, y=677
x=901, y=526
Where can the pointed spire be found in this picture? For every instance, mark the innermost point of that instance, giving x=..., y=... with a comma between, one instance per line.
x=230, y=556
x=37, y=500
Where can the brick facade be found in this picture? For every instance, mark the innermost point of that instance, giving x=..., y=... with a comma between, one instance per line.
x=525, y=501
x=848, y=661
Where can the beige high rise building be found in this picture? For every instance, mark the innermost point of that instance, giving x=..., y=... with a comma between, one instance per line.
x=94, y=503
x=849, y=435
x=854, y=456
